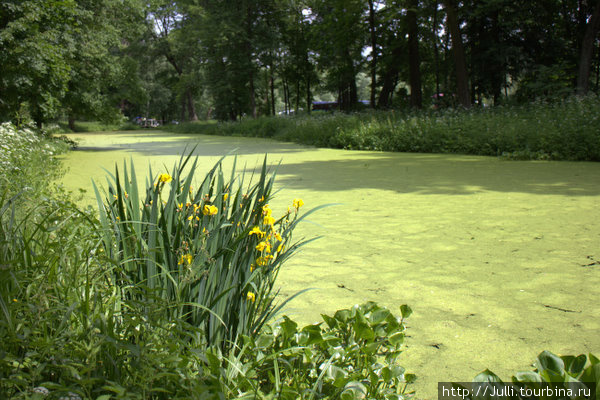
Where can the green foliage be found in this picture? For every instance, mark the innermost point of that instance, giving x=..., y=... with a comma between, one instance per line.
x=94, y=126
x=36, y=39
x=209, y=255
x=98, y=67
x=64, y=329
x=63, y=57
x=546, y=82
x=28, y=161
x=351, y=355
x=563, y=130
x=341, y=23
x=566, y=373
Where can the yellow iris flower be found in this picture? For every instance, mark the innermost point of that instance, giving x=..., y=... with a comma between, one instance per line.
x=263, y=246
x=298, y=203
x=267, y=210
x=164, y=178
x=185, y=258
x=262, y=261
x=256, y=231
x=210, y=210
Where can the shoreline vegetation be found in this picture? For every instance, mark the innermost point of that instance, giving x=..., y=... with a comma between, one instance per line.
x=563, y=130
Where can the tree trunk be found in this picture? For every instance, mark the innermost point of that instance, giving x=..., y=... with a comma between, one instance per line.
x=72, y=122
x=462, y=78
x=307, y=69
x=252, y=94
x=499, y=71
x=348, y=96
x=308, y=95
x=191, y=107
x=416, y=97
x=250, y=17
x=286, y=96
x=183, y=106
x=267, y=97
x=435, y=50
x=297, y=108
x=587, y=50
x=389, y=79
x=598, y=70
x=373, y=52
x=272, y=87
x=446, y=57
x=347, y=85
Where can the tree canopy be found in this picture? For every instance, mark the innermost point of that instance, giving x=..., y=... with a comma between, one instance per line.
x=192, y=59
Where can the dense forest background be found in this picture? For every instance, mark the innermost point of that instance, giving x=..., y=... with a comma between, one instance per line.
x=198, y=59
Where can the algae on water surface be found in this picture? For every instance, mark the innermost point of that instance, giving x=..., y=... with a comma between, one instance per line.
x=498, y=259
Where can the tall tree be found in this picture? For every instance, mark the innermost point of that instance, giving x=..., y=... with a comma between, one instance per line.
x=98, y=64
x=169, y=26
x=297, y=63
x=414, y=59
x=394, y=51
x=37, y=40
x=587, y=50
x=462, y=78
x=373, y=43
x=341, y=39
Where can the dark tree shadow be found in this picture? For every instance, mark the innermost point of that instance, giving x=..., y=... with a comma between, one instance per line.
x=443, y=174
x=398, y=172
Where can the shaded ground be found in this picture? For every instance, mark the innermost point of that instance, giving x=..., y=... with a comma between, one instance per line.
x=498, y=259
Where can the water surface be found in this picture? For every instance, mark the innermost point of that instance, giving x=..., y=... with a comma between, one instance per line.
x=498, y=259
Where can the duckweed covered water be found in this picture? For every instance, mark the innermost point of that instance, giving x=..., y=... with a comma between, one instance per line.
x=498, y=259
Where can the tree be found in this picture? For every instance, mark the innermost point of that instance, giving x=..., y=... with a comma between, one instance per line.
x=98, y=64
x=373, y=38
x=394, y=50
x=414, y=59
x=234, y=40
x=587, y=49
x=462, y=78
x=37, y=40
x=173, y=34
x=341, y=37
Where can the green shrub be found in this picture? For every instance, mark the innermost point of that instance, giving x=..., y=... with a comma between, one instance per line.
x=93, y=126
x=568, y=129
x=567, y=376
x=352, y=355
x=47, y=291
x=28, y=161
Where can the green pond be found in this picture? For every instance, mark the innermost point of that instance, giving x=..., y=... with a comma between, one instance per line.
x=498, y=259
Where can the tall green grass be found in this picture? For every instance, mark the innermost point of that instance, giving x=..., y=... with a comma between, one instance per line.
x=210, y=255
x=565, y=130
